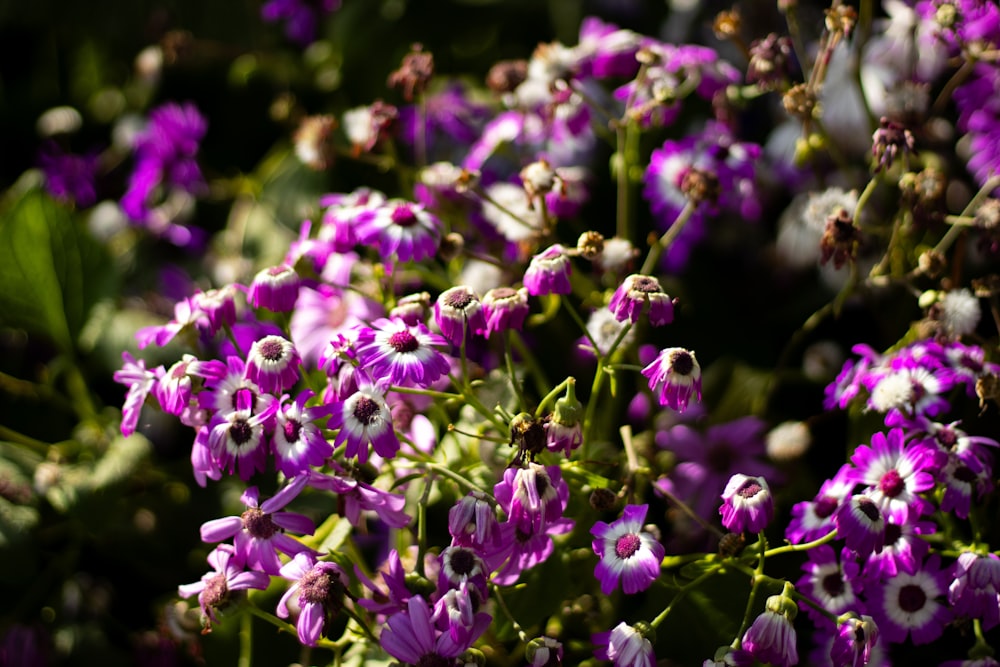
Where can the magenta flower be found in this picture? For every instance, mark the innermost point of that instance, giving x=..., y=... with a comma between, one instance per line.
x=359, y=496
x=364, y=419
x=747, y=504
x=505, y=308
x=275, y=288
x=625, y=646
x=852, y=647
x=907, y=605
x=273, y=364
x=214, y=588
x=401, y=229
x=974, y=591
x=458, y=312
x=532, y=496
x=472, y=522
x=548, y=272
x=903, y=551
x=260, y=531
x=832, y=583
x=320, y=587
x=393, y=352
x=236, y=437
x=812, y=519
x=395, y=596
x=674, y=376
x=297, y=442
x=140, y=382
x=218, y=305
x=626, y=552
x=771, y=637
x=638, y=294
x=322, y=313
x=410, y=636
x=895, y=475
x=861, y=525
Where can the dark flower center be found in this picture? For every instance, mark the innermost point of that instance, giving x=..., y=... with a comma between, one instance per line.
x=434, y=660
x=947, y=438
x=315, y=587
x=216, y=591
x=869, y=509
x=833, y=584
x=646, y=285
x=541, y=484
x=271, y=349
x=912, y=598
x=501, y=293
x=892, y=483
x=404, y=341
x=627, y=545
x=366, y=411
x=462, y=561
x=825, y=506
x=749, y=488
x=258, y=523
x=964, y=474
x=404, y=217
x=892, y=534
x=292, y=430
x=681, y=362
x=240, y=432
x=859, y=634
x=458, y=299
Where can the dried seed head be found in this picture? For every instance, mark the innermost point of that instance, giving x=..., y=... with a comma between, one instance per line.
x=770, y=61
x=590, y=245
x=603, y=499
x=800, y=101
x=840, y=239
x=727, y=24
x=507, y=75
x=414, y=73
x=700, y=186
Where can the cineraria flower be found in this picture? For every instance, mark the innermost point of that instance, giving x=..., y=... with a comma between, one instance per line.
x=173, y=388
x=458, y=312
x=771, y=637
x=214, y=588
x=852, y=647
x=275, y=288
x=532, y=496
x=322, y=313
x=519, y=550
x=543, y=652
x=401, y=229
x=674, y=376
x=454, y=613
x=906, y=606
x=297, y=442
x=320, y=587
x=219, y=305
x=364, y=419
x=472, y=522
x=630, y=300
x=140, y=382
x=260, y=531
x=895, y=475
x=832, y=583
x=861, y=525
x=410, y=636
x=548, y=272
x=273, y=364
x=974, y=591
x=396, y=594
x=505, y=308
x=461, y=564
x=746, y=504
x=903, y=551
x=626, y=552
x=961, y=482
x=236, y=437
x=359, y=496
x=341, y=214
x=510, y=212
x=393, y=352
x=909, y=390
x=812, y=519
x=625, y=646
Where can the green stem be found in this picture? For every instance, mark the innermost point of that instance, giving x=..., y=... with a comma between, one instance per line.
x=422, y=523
x=755, y=584
x=955, y=230
x=426, y=392
x=863, y=198
x=684, y=590
x=551, y=396
x=514, y=382
x=246, y=640
x=583, y=325
x=445, y=471
x=792, y=548
x=16, y=438
x=654, y=253
x=506, y=610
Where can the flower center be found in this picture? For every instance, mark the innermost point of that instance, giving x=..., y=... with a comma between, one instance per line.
x=292, y=430
x=258, y=523
x=825, y=506
x=833, y=584
x=964, y=474
x=458, y=299
x=627, y=545
x=646, y=285
x=869, y=509
x=403, y=342
x=462, y=562
x=912, y=598
x=315, y=587
x=892, y=534
x=271, y=349
x=947, y=438
x=749, y=489
x=366, y=411
x=501, y=293
x=892, y=483
x=681, y=362
x=404, y=217
x=240, y=432
x=216, y=591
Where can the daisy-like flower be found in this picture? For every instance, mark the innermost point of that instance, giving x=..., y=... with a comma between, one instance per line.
x=273, y=364
x=297, y=442
x=140, y=382
x=275, y=288
x=364, y=419
x=909, y=390
x=606, y=331
x=236, y=437
x=214, y=589
x=674, y=376
x=903, y=551
x=626, y=552
x=219, y=305
x=832, y=583
x=391, y=351
x=812, y=519
x=958, y=312
x=411, y=637
x=747, y=504
x=462, y=564
x=458, y=312
x=771, y=637
x=320, y=587
x=260, y=531
x=906, y=605
x=974, y=591
x=631, y=298
x=472, y=522
x=625, y=646
x=852, y=646
x=548, y=272
x=505, y=308
x=861, y=525
x=895, y=475
x=401, y=229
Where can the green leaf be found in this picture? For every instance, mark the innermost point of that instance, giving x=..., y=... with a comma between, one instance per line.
x=51, y=270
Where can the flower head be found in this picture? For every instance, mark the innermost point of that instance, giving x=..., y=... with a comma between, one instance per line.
x=852, y=647
x=275, y=288
x=401, y=229
x=319, y=587
x=861, y=524
x=637, y=292
x=674, y=376
x=458, y=313
x=364, y=419
x=747, y=504
x=625, y=646
x=214, y=589
x=505, y=308
x=396, y=353
x=273, y=363
x=771, y=638
x=548, y=272
x=626, y=552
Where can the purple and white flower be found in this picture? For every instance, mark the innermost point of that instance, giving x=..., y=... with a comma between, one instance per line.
x=458, y=312
x=273, y=364
x=318, y=592
x=505, y=308
x=401, y=229
x=747, y=504
x=625, y=646
x=638, y=294
x=275, y=288
x=895, y=474
x=626, y=552
x=364, y=419
x=227, y=576
x=907, y=605
x=548, y=272
x=390, y=351
x=861, y=525
x=674, y=376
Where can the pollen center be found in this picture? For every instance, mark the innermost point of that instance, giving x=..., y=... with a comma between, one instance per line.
x=912, y=598
x=366, y=410
x=315, y=586
x=749, y=488
x=404, y=217
x=404, y=341
x=825, y=506
x=646, y=285
x=271, y=349
x=627, y=545
x=458, y=299
x=216, y=591
x=869, y=509
x=833, y=584
x=292, y=429
x=258, y=524
x=681, y=362
x=891, y=483
x=240, y=432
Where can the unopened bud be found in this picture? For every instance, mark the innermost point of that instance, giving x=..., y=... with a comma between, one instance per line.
x=590, y=245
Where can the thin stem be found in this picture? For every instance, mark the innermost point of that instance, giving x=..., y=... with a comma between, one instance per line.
x=509, y=358
x=246, y=640
x=684, y=507
x=684, y=590
x=426, y=392
x=17, y=438
x=654, y=253
x=583, y=326
x=955, y=230
x=422, y=523
x=478, y=436
x=792, y=548
x=551, y=396
x=506, y=610
x=445, y=471
x=755, y=583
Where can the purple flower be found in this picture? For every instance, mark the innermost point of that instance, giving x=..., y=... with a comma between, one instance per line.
x=626, y=552
x=401, y=229
x=452, y=121
x=746, y=504
x=606, y=51
x=320, y=587
x=462, y=564
x=297, y=442
x=472, y=522
x=70, y=177
x=359, y=496
x=520, y=550
x=625, y=646
x=300, y=17
x=548, y=272
x=260, y=531
x=861, y=525
x=895, y=475
x=140, y=382
x=214, y=588
x=852, y=647
x=410, y=636
x=218, y=305
x=273, y=364
x=903, y=551
x=906, y=605
x=324, y=312
x=458, y=313
x=396, y=594
x=974, y=591
x=832, y=583
x=812, y=519
x=637, y=292
x=390, y=351
x=236, y=437
x=364, y=419
x=771, y=637
x=505, y=308
x=532, y=496
x=275, y=288
x=674, y=376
